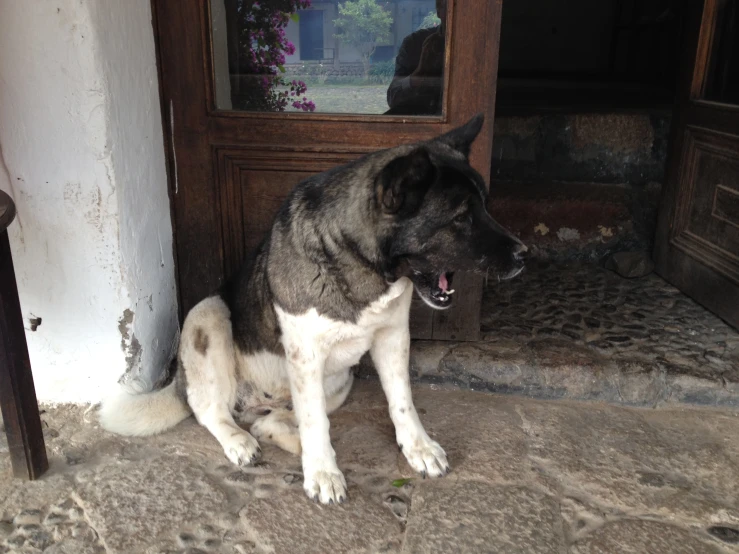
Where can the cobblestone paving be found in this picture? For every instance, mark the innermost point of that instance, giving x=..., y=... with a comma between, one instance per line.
x=528, y=476
x=580, y=331
x=641, y=319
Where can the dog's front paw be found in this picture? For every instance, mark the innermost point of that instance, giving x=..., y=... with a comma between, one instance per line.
x=426, y=457
x=242, y=449
x=328, y=487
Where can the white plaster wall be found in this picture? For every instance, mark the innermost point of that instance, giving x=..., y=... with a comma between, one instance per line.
x=128, y=58
x=82, y=156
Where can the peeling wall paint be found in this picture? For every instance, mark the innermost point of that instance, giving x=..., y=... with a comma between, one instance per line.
x=568, y=234
x=608, y=218
x=137, y=161
x=82, y=156
x=605, y=232
x=130, y=345
x=541, y=229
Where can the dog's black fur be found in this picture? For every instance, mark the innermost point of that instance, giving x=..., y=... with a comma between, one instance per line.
x=343, y=235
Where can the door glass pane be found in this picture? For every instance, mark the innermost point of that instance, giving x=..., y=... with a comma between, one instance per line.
x=722, y=81
x=340, y=56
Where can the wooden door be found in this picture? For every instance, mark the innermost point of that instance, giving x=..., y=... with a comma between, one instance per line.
x=229, y=169
x=697, y=246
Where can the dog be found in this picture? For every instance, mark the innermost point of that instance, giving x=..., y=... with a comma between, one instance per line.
x=333, y=279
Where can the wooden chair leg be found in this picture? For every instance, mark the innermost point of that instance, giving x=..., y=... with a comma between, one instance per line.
x=17, y=393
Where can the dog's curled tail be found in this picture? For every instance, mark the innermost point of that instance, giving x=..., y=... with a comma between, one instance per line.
x=143, y=414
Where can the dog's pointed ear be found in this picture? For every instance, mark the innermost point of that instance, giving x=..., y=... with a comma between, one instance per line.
x=403, y=182
x=461, y=138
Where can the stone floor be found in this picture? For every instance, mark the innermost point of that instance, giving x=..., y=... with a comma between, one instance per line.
x=528, y=476
x=579, y=331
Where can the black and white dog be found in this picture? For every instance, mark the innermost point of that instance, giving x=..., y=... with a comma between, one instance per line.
x=332, y=280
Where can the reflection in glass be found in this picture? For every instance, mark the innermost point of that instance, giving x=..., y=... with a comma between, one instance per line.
x=417, y=82
x=346, y=56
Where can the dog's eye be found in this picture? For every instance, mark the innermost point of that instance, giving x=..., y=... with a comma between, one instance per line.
x=464, y=217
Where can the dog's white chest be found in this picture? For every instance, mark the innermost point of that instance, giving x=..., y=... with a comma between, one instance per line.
x=341, y=342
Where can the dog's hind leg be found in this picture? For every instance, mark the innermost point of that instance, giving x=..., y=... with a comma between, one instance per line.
x=209, y=362
x=279, y=428
x=336, y=397
x=240, y=446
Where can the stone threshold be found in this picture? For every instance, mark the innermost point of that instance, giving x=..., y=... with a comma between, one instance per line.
x=578, y=331
x=540, y=372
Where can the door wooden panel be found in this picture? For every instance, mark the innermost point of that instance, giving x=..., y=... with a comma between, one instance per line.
x=252, y=185
x=726, y=204
x=697, y=245
x=229, y=170
x=704, y=227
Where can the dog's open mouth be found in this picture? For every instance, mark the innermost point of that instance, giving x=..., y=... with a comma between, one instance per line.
x=435, y=288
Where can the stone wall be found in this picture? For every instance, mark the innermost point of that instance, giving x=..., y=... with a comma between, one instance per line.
x=592, y=148
x=312, y=69
x=580, y=186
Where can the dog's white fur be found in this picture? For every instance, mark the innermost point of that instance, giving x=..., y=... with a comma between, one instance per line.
x=315, y=375
x=139, y=415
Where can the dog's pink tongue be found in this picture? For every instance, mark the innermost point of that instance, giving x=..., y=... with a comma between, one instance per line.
x=443, y=283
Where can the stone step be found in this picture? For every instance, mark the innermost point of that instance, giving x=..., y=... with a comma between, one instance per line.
x=581, y=332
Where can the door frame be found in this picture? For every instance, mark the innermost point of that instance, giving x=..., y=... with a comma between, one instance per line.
x=690, y=263
x=196, y=131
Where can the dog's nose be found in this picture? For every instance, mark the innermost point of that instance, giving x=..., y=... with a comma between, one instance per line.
x=520, y=252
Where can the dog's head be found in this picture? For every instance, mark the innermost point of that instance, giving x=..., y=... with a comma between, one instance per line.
x=432, y=207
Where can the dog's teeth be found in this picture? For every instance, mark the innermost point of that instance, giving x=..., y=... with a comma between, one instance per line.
x=450, y=291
